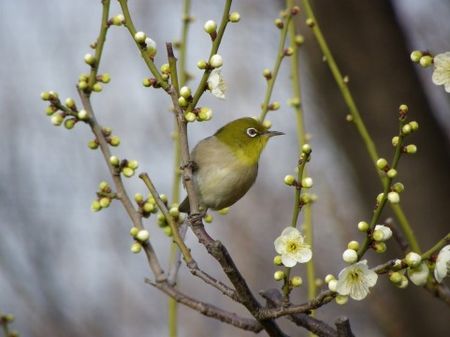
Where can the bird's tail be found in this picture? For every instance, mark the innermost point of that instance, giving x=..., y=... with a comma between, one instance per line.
x=185, y=207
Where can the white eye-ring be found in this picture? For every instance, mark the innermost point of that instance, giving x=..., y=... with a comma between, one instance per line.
x=252, y=132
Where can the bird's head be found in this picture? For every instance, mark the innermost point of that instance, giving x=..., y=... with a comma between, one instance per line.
x=246, y=137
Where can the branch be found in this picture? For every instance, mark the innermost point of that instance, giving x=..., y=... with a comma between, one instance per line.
x=343, y=327
x=398, y=235
x=318, y=327
x=208, y=309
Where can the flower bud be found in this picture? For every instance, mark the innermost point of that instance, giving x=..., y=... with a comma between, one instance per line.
x=146, y=82
x=288, y=51
x=299, y=40
x=151, y=47
x=201, y=64
x=105, y=78
x=306, y=148
x=310, y=22
x=328, y=278
x=140, y=37
x=234, y=17
x=143, y=235
x=168, y=231
x=89, y=59
x=411, y=149
x=353, y=245
x=307, y=182
x=332, y=285
x=70, y=103
x=350, y=256
x=182, y=102
x=289, y=180
x=210, y=26
x=134, y=231
x=57, y=119
x=190, y=117
x=127, y=172
x=413, y=259
x=133, y=164
x=414, y=125
x=105, y=202
x=396, y=277
x=267, y=74
x=279, y=275
x=398, y=187
x=341, y=299
x=426, y=61
x=93, y=145
x=136, y=248
x=393, y=197
x=363, y=226
x=216, y=61
x=69, y=123
x=279, y=23
x=391, y=173
x=416, y=55
x=277, y=260
x=148, y=207
x=403, y=109
x=267, y=124
x=382, y=163
x=173, y=211
x=97, y=87
x=118, y=20
x=82, y=115
x=296, y=281
x=208, y=218
x=114, y=141
x=95, y=206
x=223, y=211
x=185, y=92
x=114, y=161
x=395, y=140
x=274, y=106
x=379, y=247
x=406, y=129
x=165, y=68
x=205, y=114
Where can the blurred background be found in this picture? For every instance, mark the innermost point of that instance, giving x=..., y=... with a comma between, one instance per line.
x=65, y=271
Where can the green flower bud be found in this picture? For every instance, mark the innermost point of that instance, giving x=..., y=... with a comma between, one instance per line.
x=69, y=123
x=106, y=78
x=89, y=59
x=267, y=74
x=168, y=231
x=210, y=26
x=353, y=245
x=296, y=281
x=279, y=275
x=185, y=92
x=404, y=283
x=164, y=198
x=57, y=119
x=95, y=206
x=398, y=187
x=205, y=114
x=396, y=277
x=378, y=235
x=118, y=20
x=363, y=226
x=411, y=149
x=165, y=68
x=114, y=160
x=391, y=173
x=136, y=248
x=208, y=218
x=310, y=22
x=382, y=163
x=426, y=61
x=403, y=109
x=349, y=118
x=395, y=140
x=274, y=106
x=105, y=202
x=190, y=117
x=216, y=61
x=414, y=125
x=97, y=87
x=45, y=96
x=380, y=197
x=406, y=129
x=138, y=197
x=202, y=64
x=133, y=164
x=134, y=231
x=103, y=186
x=82, y=85
x=329, y=278
x=416, y=55
x=127, y=172
x=299, y=40
x=306, y=148
x=234, y=17
x=277, y=260
x=332, y=285
x=279, y=23
x=50, y=110
x=140, y=37
x=182, y=102
x=173, y=211
x=143, y=235
x=288, y=51
x=148, y=207
x=224, y=211
x=93, y=145
x=146, y=82
x=114, y=141
x=289, y=180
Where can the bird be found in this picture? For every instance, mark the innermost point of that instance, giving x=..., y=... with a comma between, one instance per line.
x=225, y=165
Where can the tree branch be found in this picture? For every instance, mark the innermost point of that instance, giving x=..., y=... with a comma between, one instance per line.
x=343, y=327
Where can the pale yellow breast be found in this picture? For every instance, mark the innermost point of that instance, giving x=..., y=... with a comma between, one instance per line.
x=221, y=178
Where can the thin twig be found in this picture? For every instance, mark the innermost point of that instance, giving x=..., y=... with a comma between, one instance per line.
x=208, y=309
x=343, y=327
x=397, y=235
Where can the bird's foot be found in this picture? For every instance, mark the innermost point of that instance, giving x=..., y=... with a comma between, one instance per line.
x=190, y=164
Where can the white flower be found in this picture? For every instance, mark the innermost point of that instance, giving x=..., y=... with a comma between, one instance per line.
x=385, y=232
x=419, y=275
x=442, y=268
x=355, y=280
x=216, y=83
x=290, y=245
x=441, y=73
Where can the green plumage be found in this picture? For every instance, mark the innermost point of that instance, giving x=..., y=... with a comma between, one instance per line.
x=226, y=164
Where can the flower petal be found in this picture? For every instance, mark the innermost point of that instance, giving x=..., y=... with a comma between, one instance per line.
x=289, y=231
x=419, y=275
x=280, y=245
x=288, y=260
x=303, y=255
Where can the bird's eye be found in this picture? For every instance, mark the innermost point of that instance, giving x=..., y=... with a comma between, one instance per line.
x=252, y=132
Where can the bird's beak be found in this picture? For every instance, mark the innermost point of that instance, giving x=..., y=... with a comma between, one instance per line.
x=274, y=133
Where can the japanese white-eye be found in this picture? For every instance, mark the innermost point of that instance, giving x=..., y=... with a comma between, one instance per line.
x=225, y=165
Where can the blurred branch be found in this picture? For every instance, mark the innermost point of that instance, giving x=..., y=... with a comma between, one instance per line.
x=208, y=309
x=359, y=123
x=343, y=327
x=398, y=235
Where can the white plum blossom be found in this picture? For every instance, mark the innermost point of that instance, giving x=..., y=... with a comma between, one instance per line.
x=419, y=275
x=292, y=248
x=355, y=280
x=216, y=83
x=442, y=269
x=441, y=73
